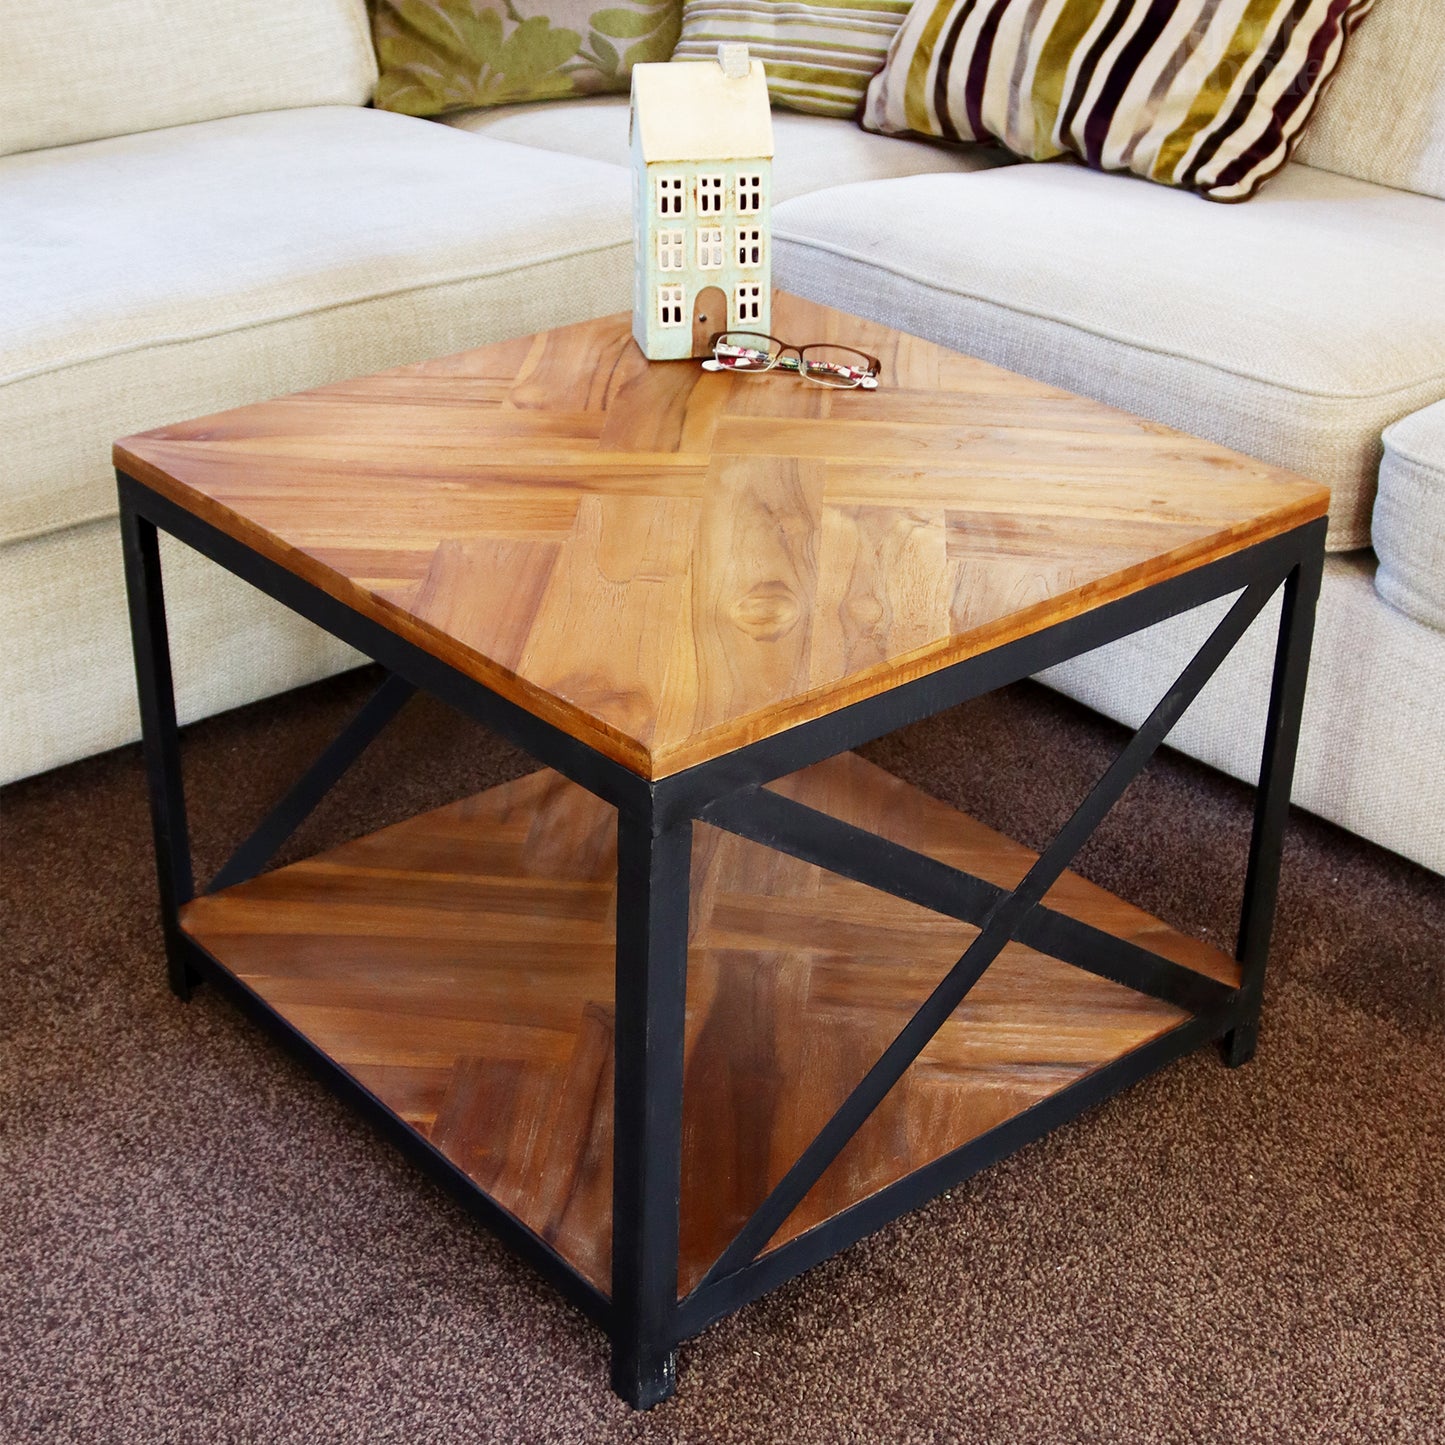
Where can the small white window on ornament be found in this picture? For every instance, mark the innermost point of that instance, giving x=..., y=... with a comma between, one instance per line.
x=669, y=305
x=710, y=247
x=750, y=246
x=670, y=246
x=750, y=194
x=709, y=195
x=748, y=302
x=669, y=195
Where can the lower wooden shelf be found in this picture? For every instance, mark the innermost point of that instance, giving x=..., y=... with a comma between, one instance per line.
x=459, y=966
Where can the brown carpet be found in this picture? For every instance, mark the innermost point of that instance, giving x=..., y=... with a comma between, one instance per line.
x=198, y=1244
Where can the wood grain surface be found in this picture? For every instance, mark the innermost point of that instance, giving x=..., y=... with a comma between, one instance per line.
x=668, y=563
x=459, y=965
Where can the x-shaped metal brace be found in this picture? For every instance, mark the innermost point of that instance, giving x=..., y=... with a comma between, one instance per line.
x=1001, y=915
x=302, y=798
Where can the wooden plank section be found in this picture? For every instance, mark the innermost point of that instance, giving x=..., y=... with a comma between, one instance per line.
x=460, y=966
x=811, y=548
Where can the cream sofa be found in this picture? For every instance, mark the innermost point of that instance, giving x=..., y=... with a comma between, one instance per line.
x=204, y=214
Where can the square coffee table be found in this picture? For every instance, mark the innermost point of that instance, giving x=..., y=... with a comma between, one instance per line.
x=710, y=997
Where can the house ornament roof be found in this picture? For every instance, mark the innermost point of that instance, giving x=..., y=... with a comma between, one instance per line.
x=692, y=110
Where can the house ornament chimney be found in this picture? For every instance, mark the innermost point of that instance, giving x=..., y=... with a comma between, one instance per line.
x=734, y=60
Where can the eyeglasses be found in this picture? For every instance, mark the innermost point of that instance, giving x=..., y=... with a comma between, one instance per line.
x=823, y=363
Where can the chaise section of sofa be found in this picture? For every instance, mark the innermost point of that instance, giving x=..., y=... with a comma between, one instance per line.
x=177, y=272
x=1295, y=328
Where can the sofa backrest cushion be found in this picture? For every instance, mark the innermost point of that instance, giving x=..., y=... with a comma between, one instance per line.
x=78, y=70
x=1383, y=117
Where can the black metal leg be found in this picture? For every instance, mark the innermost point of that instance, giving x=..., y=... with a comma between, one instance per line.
x=652, y=912
x=1271, y=809
x=145, y=595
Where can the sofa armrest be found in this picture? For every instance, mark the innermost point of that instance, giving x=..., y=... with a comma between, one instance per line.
x=1408, y=526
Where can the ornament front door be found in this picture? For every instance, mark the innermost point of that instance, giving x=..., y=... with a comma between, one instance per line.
x=709, y=316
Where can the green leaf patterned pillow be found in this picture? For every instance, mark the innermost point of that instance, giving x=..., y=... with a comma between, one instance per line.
x=819, y=54
x=441, y=55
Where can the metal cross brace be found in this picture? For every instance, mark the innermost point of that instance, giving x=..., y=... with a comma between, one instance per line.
x=301, y=800
x=1003, y=921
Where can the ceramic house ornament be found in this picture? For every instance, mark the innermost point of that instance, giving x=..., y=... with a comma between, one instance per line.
x=702, y=156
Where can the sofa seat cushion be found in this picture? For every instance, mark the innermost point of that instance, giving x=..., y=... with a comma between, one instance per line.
x=1409, y=526
x=1293, y=328
x=810, y=151
x=154, y=277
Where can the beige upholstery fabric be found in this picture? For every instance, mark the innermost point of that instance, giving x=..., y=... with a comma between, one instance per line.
x=1293, y=328
x=1409, y=526
x=811, y=151
x=67, y=687
x=77, y=70
x=1383, y=117
x=154, y=277
x=1373, y=733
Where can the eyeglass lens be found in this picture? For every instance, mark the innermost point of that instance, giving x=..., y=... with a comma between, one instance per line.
x=746, y=351
x=836, y=365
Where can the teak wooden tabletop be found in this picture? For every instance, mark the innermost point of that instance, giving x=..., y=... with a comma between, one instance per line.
x=667, y=563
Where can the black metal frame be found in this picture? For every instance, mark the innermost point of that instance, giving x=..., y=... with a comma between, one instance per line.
x=643, y=1316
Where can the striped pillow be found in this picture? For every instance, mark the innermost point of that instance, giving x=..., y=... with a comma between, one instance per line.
x=819, y=56
x=1210, y=95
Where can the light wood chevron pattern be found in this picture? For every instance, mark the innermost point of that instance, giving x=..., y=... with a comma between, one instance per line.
x=669, y=564
x=460, y=966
